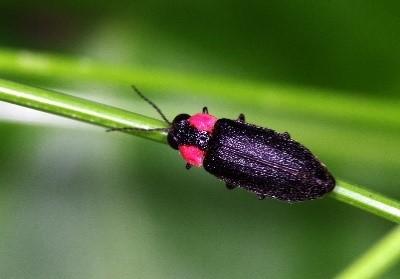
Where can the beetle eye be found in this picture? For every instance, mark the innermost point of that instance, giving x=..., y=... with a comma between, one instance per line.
x=172, y=141
x=180, y=117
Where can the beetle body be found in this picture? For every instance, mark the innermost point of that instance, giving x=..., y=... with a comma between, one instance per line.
x=254, y=158
x=257, y=159
x=265, y=162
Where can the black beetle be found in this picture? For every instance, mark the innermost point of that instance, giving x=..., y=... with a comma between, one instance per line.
x=257, y=159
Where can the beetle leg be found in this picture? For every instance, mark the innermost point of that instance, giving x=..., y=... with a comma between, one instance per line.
x=188, y=166
x=286, y=135
x=230, y=187
x=261, y=196
x=241, y=118
x=205, y=110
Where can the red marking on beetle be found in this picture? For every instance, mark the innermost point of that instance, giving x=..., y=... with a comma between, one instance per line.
x=203, y=122
x=192, y=154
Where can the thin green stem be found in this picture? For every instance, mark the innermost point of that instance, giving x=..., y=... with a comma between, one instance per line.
x=377, y=260
x=79, y=109
x=110, y=117
x=367, y=201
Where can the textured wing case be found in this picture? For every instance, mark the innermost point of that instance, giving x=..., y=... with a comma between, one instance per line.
x=265, y=162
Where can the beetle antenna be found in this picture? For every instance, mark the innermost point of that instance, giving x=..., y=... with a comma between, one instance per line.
x=152, y=104
x=136, y=129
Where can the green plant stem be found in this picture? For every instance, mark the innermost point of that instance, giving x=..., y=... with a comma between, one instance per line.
x=377, y=260
x=367, y=201
x=79, y=109
x=110, y=117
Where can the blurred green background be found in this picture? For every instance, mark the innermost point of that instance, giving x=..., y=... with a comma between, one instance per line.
x=77, y=202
